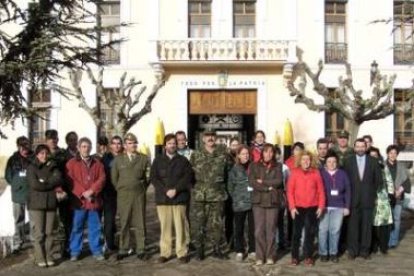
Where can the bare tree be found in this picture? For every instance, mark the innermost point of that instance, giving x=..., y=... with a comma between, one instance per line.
x=348, y=101
x=125, y=100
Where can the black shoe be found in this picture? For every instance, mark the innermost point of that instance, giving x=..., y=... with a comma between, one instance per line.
x=121, y=256
x=217, y=253
x=162, y=260
x=184, y=259
x=200, y=254
x=324, y=258
x=335, y=259
x=142, y=256
x=366, y=257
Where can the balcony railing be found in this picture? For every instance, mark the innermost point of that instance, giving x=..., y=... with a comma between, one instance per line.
x=403, y=53
x=335, y=52
x=193, y=50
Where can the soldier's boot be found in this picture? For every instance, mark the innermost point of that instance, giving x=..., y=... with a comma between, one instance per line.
x=218, y=253
x=200, y=253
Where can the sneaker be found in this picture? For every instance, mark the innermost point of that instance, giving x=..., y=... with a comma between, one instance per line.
x=50, y=263
x=270, y=262
x=259, y=262
x=239, y=257
x=252, y=255
x=41, y=264
x=99, y=258
x=335, y=259
x=74, y=258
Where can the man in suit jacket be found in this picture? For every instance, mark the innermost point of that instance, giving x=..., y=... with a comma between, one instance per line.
x=365, y=175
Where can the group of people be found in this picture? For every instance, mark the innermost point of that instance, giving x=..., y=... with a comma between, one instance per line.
x=349, y=198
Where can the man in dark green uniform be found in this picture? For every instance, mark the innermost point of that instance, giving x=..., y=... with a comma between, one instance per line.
x=208, y=195
x=129, y=177
x=342, y=149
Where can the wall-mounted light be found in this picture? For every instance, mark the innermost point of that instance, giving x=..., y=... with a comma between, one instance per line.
x=223, y=76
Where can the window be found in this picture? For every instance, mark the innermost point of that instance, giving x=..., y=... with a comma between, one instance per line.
x=40, y=122
x=334, y=122
x=199, y=18
x=108, y=115
x=110, y=13
x=403, y=122
x=403, y=32
x=244, y=18
x=335, y=31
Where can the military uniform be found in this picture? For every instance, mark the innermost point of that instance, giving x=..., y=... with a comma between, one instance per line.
x=342, y=155
x=208, y=196
x=129, y=177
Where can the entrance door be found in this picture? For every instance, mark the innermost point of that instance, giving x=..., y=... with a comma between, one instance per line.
x=230, y=112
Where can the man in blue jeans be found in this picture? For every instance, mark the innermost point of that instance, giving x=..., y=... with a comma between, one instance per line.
x=87, y=177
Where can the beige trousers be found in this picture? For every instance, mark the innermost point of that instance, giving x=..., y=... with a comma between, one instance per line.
x=173, y=216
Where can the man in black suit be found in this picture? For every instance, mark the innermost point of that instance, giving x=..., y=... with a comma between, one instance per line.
x=365, y=175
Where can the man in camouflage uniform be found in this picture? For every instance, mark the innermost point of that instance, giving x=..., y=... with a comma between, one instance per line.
x=60, y=157
x=208, y=195
x=342, y=150
x=129, y=177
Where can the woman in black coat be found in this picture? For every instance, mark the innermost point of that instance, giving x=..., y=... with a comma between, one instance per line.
x=44, y=180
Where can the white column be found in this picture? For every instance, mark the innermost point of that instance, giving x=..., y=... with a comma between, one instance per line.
x=290, y=19
x=222, y=24
x=262, y=30
x=182, y=19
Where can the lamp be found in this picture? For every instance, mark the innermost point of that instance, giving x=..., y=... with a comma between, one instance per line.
x=374, y=71
x=223, y=76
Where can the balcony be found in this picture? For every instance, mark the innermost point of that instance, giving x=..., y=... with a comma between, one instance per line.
x=403, y=53
x=203, y=52
x=335, y=52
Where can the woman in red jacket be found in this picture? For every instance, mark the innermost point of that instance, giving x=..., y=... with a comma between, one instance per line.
x=306, y=198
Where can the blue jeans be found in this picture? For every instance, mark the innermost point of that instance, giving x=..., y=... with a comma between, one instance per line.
x=329, y=231
x=395, y=233
x=94, y=232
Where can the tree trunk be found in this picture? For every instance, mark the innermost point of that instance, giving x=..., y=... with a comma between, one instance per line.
x=353, y=129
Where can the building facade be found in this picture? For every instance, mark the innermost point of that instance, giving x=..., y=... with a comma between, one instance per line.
x=226, y=64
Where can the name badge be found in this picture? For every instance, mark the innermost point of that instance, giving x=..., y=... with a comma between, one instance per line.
x=22, y=173
x=334, y=192
x=249, y=189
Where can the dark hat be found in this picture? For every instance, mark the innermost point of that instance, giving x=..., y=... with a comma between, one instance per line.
x=51, y=134
x=343, y=134
x=209, y=132
x=103, y=141
x=131, y=137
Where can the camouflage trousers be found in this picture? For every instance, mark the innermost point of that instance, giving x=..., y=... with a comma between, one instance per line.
x=206, y=222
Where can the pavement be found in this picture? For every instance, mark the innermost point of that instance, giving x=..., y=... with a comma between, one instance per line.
x=399, y=261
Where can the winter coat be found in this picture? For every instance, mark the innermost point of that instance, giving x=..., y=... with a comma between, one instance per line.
x=16, y=176
x=83, y=176
x=43, y=179
x=239, y=189
x=175, y=173
x=271, y=176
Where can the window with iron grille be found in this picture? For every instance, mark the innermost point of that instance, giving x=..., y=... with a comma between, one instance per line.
x=40, y=122
x=403, y=121
x=199, y=18
x=244, y=18
x=110, y=14
x=108, y=115
x=335, y=31
x=334, y=121
x=403, y=32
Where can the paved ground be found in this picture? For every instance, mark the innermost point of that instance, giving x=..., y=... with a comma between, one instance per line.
x=398, y=262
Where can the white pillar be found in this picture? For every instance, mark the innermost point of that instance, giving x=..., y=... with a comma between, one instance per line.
x=262, y=30
x=154, y=23
x=182, y=19
x=222, y=19
x=290, y=19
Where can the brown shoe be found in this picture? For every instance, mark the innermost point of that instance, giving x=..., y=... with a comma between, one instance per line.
x=294, y=262
x=162, y=260
x=309, y=262
x=184, y=259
